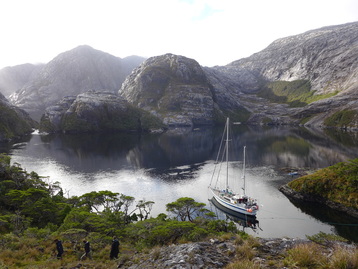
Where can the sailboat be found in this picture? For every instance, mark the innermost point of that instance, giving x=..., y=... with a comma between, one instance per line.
x=240, y=203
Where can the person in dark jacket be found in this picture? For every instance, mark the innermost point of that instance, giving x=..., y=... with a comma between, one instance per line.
x=114, y=248
x=59, y=248
x=87, y=253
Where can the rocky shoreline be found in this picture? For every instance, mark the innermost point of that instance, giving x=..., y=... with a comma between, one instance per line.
x=292, y=194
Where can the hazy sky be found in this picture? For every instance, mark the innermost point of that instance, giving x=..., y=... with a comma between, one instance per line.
x=213, y=32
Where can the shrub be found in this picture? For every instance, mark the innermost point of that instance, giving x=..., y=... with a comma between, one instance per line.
x=305, y=255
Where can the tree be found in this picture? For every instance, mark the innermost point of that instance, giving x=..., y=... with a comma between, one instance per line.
x=106, y=200
x=126, y=201
x=185, y=208
x=144, y=207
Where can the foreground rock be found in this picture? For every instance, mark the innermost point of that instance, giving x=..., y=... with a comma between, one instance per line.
x=96, y=112
x=268, y=253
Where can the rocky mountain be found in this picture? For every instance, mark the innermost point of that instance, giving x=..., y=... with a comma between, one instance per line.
x=326, y=58
x=14, y=122
x=310, y=78
x=71, y=73
x=177, y=90
x=13, y=78
x=96, y=111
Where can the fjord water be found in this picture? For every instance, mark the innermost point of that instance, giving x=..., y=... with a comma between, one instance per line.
x=179, y=163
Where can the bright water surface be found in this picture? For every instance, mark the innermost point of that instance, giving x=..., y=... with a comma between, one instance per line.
x=179, y=163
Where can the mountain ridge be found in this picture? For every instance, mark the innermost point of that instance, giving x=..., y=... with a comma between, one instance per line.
x=70, y=73
x=250, y=88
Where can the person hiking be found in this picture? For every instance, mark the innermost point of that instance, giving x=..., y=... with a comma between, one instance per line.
x=87, y=253
x=114, y=248
x=59, y=248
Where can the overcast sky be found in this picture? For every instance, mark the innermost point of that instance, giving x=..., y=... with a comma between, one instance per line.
x=213, y=32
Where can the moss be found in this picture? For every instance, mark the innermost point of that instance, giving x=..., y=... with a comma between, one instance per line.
x=338, y=183
x=344, y=118
x=296, y=93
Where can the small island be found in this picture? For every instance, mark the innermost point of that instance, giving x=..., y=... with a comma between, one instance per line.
x=335, y=186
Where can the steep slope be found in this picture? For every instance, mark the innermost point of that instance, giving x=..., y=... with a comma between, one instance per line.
x=177, y=90
x=14, y=122
x=327, y=57
x=324, y=59
x=95, y=111
x=13, y=78
x=71, y=73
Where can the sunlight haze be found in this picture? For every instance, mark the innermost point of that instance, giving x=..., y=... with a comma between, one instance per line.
x=210, y=31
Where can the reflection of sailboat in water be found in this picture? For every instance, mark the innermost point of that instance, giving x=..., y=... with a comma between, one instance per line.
x=244, y=220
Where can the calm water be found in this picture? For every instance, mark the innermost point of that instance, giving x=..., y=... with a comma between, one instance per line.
x=178, y=163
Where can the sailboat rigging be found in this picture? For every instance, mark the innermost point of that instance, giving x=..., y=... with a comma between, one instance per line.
x=240, y=203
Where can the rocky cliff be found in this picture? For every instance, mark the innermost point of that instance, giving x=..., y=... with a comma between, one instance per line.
x=325, y=57
x=177, y=90
x=14, y=122
x=310, y=79
x=71, y=73
x=96, y=112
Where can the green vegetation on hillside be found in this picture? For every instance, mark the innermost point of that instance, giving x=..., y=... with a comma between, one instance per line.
x=337, y=183
x=130, y=119
x=34, y=212
x=296, y=93
x=344, y=118
x=11, y=125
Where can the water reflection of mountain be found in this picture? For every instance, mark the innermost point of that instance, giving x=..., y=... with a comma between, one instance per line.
x=344, y=225
x=181, y=151
x=294, y=147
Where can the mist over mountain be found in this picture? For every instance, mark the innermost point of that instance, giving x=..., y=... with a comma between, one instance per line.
x=13, y=78
x=71, y=73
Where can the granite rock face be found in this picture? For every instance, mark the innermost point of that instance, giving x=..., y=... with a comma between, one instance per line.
x=177, y=90
x=94, y=111
x=182, y=93
x=325, y=57
x=71, y=73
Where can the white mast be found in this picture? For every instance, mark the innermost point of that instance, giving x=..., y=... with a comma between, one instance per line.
x=227, y=154
x=243, y=171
